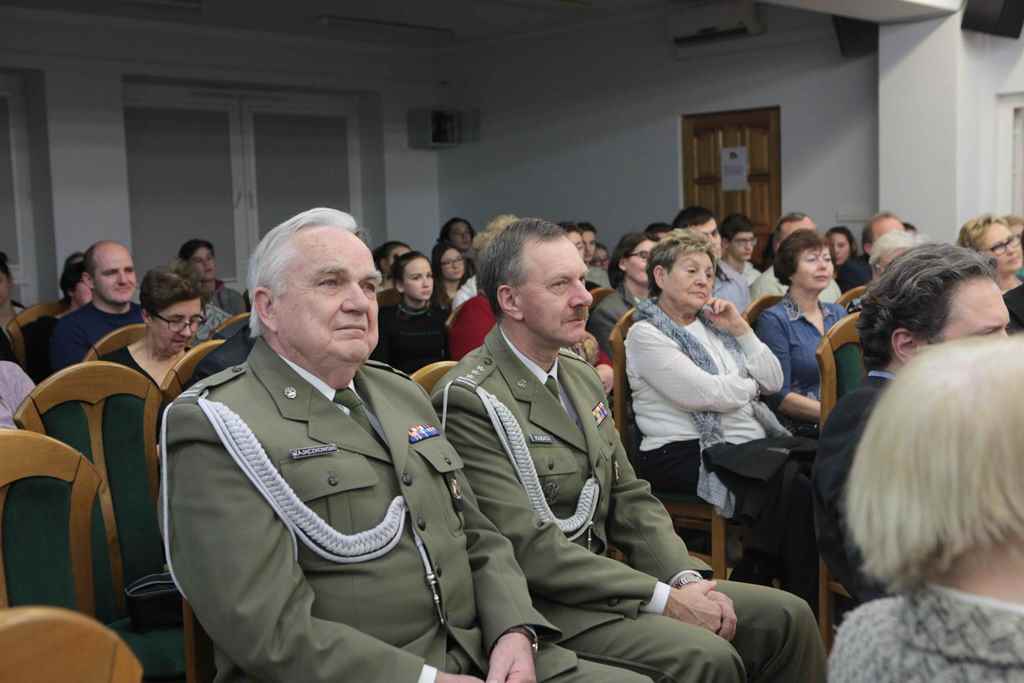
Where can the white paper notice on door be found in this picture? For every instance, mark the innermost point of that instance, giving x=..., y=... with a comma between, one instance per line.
x=735, y=168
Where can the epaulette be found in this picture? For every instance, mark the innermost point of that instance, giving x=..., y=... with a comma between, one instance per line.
x=568, y=353
x=476, y=375
x=384, y=366
x=204, y=385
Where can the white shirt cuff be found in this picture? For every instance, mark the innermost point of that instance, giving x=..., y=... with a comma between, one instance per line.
x=658, y=600
x=428, y=675
x=749, y=343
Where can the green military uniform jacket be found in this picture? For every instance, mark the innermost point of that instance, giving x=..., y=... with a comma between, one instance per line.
x=275, y=616
x=573, y=583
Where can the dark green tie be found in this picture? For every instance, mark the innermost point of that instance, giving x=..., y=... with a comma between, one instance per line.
x=356, y=410
x=552, y=384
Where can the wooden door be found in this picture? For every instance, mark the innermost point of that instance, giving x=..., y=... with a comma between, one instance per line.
x=756, y=130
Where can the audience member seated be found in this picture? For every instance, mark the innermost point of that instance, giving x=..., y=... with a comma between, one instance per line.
x=38, y=333
x=877, y=226
x=738, y=242
x=885, y=250
x=697, y=371
x=15, y=385
x=729, y=285
x=601, y=258
x=172, y=310
x=468, y=330
x=110, y=274
x=596, y=272
x=199, y=254
x=934, y=293
x=575, y=235
x=231, y=353
x=936, y=502
x=8, y=306
x=793, y=327
x=628, y=274
x=449, y=269
x=468, y=290
x=851, y=270
x=768, y=282
x=655, y=231
x=384, y=257
x=460, y=232
x=412, y=333
x=991, y=235
x=1016, y=224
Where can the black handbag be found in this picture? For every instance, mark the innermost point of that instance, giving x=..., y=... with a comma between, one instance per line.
x=153, y=602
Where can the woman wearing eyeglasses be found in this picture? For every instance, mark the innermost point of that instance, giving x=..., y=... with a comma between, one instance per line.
x=448, y=266
x=628, y=275
x=991, y=235
x=172, y=310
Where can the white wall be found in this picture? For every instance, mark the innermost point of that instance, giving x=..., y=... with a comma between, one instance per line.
x=83, y=63
x=587, y=126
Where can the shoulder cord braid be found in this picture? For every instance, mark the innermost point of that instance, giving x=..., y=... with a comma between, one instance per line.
x=511, y=436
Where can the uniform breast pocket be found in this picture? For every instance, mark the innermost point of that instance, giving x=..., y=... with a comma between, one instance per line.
x=317, y=479
x=445, y=464
x=559, y=474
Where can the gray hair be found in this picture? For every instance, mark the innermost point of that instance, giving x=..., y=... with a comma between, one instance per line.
x=501, y=262
x=673, y=245
x=915, y=293
x=271, y=257
x=897, y=240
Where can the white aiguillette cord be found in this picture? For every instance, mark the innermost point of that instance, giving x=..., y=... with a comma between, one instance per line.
x=512, y=440
x=303, y=524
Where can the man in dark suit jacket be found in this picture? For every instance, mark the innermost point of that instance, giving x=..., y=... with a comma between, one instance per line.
x=933, y=293
x=1014, y=300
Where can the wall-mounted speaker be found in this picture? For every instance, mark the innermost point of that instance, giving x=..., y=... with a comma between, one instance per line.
x=998, y=17
x=857, y=38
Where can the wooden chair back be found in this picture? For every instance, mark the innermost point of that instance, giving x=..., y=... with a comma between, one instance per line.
x=840, y=362
x=428, y=375
x=388, y=297
x=757, y=307
x=118, y=339
x=233, y=320
x=108, y=412
x=178, y=377
x=53, y=644
x=30, y=471
x=686, y=511
x=199, y=660
x=851, y=294
x=828, y=588
x=599, y=294
x=23, y=320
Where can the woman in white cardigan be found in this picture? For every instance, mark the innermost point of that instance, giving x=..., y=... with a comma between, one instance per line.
x=697, y=372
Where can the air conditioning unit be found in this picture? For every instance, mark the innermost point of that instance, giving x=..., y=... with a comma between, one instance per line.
x=704, y=21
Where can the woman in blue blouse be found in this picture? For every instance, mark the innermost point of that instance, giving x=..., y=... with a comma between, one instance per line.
x=793, y=327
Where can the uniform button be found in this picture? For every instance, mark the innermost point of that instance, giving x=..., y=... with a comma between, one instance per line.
x=406, y=478
x=551, y=465
x=332, y=479
x=448, y=460
x=237, y=368
x=421, y=522
x=539, y=524
x=487, y=361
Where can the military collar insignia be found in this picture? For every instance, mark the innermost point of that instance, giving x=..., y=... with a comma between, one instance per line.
x=600, y=413
x=418, y=433
x=312, y=451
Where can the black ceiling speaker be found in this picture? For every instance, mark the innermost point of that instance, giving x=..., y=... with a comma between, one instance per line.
x=857, y=38
x=998, y=17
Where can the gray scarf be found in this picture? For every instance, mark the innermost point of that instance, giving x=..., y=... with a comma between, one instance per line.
x=708, y=423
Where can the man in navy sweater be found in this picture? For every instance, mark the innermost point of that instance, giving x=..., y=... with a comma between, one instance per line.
x=110, y=273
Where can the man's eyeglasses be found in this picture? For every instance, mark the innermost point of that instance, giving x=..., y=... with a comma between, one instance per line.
x=645, y=255
x=180, y=324
x=1000, y=248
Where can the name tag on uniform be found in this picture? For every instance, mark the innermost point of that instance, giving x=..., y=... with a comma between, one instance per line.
x=312, y=451
x=541, y=438
x=600, y=413
x=418, y=433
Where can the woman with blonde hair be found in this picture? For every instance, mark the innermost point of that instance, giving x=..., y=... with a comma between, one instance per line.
x=935, y=502
x=991, y=235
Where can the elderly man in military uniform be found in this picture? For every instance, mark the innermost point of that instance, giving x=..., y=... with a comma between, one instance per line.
x=314, y=515
x=532, y=425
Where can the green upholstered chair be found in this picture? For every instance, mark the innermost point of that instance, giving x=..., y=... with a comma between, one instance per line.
x=108, y=412
x=841, y=364
x=687, y=511
x=48, y=514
